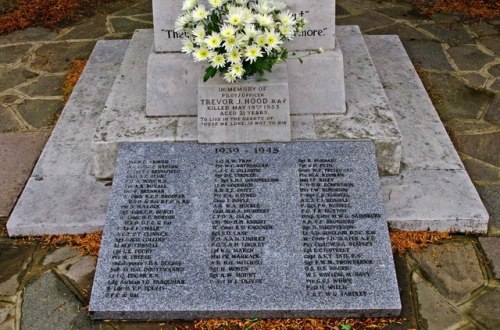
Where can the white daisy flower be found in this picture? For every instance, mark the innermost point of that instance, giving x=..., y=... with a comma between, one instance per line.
x=230, y=77
x=199, y=13
x=218, y=61
x=250, y=31
x=235, y=16
x=237, y=70
x=216, y=3
x=201, y=54
x=230, y=43
x=182, y=21
x=234, y=56
x=261, y=40
x=286, y=18
x=273, y=39
x=199, y=33
x=227, y=31
x=264, y=20
x=187, y=46
x=189, y=4
x=287, y=31
x=252, y=53
x=213, y=41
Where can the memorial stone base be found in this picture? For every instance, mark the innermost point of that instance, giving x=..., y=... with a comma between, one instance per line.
x=368, y=116
x=431, y=192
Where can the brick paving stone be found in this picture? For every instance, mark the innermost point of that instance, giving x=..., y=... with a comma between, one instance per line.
x=8, y=99
x=145, y=7
x=435, y=313
x=8, y=121
x=14, y=261
x=469, y=58
x=339, y=11
x=125, y=25
x=114, y=6
x=490, y=194
x=492, y=43
x=491, y=246
x=28, y=35
x=479, y=171
x=495, y=70
x=404, y=11
x=493, y=113
x=359, y=6
x=130, y=325
x=365, y=21
x=453, y=98
x=476, y=80
x=482, y=29
x=454, y=33
x=18, y=153
x=80, y=274
x=45, y=86
x=48, y=304
x=93, y=28
x=11, y=54
x=14, y=77
x=408, y=311
x=40, y=113
x=60, y=254
x=7, y=314
x=480, y=146
x=57, y=57
x=485, y=310
x=452, y=268
x=427, y=54
x=496, y=85
x=403, y=31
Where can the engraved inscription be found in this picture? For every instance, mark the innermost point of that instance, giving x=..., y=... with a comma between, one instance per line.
x=241, y=226
x=147, y=217
x=332, y=242
x=243, y=106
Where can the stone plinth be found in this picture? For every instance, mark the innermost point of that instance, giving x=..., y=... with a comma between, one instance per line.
x=316, y=86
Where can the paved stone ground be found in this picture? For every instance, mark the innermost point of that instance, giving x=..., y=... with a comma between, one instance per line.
x=455, y=285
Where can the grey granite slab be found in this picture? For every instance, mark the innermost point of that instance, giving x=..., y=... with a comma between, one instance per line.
x=319, y=33
x=368, y=117
x=172, y=81
x=245, y=230
x=246, y=111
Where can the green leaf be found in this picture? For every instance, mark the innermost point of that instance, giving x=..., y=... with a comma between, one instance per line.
x=209, y=73
x=345, y=327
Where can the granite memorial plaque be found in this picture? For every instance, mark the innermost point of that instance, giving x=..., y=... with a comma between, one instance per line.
x=246, y=111
x=245, y=230
x=319, y=33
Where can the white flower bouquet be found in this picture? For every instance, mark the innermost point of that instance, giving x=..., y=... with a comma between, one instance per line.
x=238, y=38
